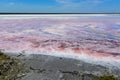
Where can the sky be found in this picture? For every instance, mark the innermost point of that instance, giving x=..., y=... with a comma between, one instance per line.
x=59, y=6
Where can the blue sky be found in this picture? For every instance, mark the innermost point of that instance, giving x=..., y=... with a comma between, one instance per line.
x=60, y=6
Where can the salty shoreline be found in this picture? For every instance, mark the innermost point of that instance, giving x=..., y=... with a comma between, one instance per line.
x=55, y=68
x=84, y=58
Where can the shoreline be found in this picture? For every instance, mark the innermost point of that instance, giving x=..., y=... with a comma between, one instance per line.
x=51, y=68
x=107, y=63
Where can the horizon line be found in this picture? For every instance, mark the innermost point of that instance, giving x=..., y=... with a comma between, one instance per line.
x=66, y=14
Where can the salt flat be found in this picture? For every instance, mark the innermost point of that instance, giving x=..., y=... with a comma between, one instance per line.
x=95, y=37
x=92, y=39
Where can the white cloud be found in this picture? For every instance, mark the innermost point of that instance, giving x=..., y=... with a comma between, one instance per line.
x=81, y=5
x=11, y=3
x=95, y=1
x=70, y=2
x=64, y=1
